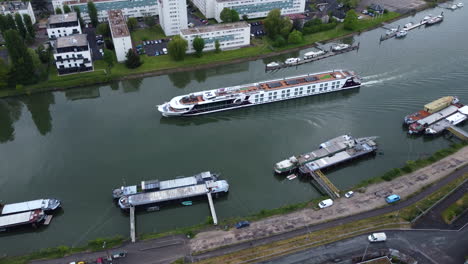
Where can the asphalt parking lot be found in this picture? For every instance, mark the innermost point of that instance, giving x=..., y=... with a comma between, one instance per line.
x=153, y=47
x=91, y=32
x=256, y=28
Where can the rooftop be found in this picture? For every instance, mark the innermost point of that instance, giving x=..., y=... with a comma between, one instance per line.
x=217, y=27
x=13, y=5
x=72, y=41
x=111, y=4
x=70, y=17
x=117, y=24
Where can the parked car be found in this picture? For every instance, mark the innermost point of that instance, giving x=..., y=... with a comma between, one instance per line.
x=349, y=194
x=98, y=36
x=377, y=237
x=191, y=25
x=117, y=255
x=365, y=12
x=392, y=198
x=360, y=17
x=325, y=203
x=139, y=46
x=242, y=224
x=156, y=53
x=164, y=50
x=99, y=261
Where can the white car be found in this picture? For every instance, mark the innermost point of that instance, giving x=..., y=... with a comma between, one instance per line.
x=325, y=203
x=377, y=237
x=349, y=194
x=164, y=50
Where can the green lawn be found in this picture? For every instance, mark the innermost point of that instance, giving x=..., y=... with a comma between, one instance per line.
x=144, y=34
x=456, y=209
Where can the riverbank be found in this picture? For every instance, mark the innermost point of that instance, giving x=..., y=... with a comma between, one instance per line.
x=161, y=65
x=294, y=217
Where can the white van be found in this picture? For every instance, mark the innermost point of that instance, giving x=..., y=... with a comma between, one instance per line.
x=377, y=237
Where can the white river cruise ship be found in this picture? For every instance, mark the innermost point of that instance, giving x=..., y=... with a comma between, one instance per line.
x=260, y=93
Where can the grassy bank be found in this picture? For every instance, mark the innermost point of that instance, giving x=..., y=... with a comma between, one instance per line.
x=456, y=209
x=411, y=212
x=150, y=33
x=61, y=251
x=154, y=65
x=413, y=165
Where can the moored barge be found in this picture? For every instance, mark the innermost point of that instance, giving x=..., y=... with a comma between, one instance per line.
x=431, y=108
x=33, y=217
x=420, y=125
x=259, y=93
x=158, y=196
x=360, y=148
x=42, y=204
x=452, y=120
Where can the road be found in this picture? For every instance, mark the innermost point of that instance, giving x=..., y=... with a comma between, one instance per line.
x=167, y=249
x=424, y=246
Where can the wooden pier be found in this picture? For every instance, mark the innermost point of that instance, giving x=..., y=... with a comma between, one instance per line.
x=328, y=54
x=212, y=209
x=414, y=26
x=324, y=183
x=132, y=224
x=458, y=132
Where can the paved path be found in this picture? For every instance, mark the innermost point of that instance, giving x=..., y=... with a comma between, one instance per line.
x=435, y=247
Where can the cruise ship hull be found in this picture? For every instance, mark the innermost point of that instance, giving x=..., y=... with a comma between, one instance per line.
x=259, y=93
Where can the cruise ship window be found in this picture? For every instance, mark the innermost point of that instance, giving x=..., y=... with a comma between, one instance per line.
x=261, y=95
x=320, y=89
x=295, y=93
x=313, y=86
x=321, y=85
x=308, y=87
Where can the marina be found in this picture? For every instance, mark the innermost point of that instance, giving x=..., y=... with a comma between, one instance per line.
x=400, y=33
x=311, y=57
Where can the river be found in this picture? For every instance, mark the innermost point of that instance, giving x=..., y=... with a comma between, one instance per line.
x=79, y=144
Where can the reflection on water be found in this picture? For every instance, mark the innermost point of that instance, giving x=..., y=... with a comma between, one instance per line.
x=200, y=75
x=38, y=105
x=82, y=93
x=132, y=85
x=180, y=79
x=10, y=112
x=114, y=86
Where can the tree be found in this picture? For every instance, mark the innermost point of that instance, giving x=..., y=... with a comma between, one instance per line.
x=4, y=70
x=109, y=58
x=295, y=37
x=132, y=23
x=21, y=62
x=226, y=15
x=234, y=16
x=10, y=22
x=103, y=29
x=66, y=9
x=92, y=12
x=78, y=14
x=350, y=20
x=279, y=41
x=39, y=68
x=276, y=25
x=177, y=48
x=44, y=55
x=20, y=25
x=133, y=59
x=217, y=46
x=58, y=11
x=3, y=23
x=245, y=17
x=198, y=45
x=149, y=21
x=29, y=25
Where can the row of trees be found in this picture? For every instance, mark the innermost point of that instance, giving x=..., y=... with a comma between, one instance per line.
x=177, y=47
x=22, y=24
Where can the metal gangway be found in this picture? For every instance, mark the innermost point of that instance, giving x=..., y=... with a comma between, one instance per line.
x=324, y=183
x=458, y=132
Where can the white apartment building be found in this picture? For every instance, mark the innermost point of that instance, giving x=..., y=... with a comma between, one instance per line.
x=130, y=8
x=229, y=35
x=120, y=34
x=72, y=54
x=251, y=8
x=13, y=7
x=63, y=25
x=172, y=16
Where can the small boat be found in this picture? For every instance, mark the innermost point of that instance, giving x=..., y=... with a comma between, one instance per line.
x=153, y=208
x=391, y=31
x=272, y=64
x=427, y=18
x=435, y=20
x=313, y=54
x=292, y=177
x=460, y=4
x=340, y=47
x=187, y=203
x=401, y=34
x=292, y=61
x=408, y=25
x=453, y=7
